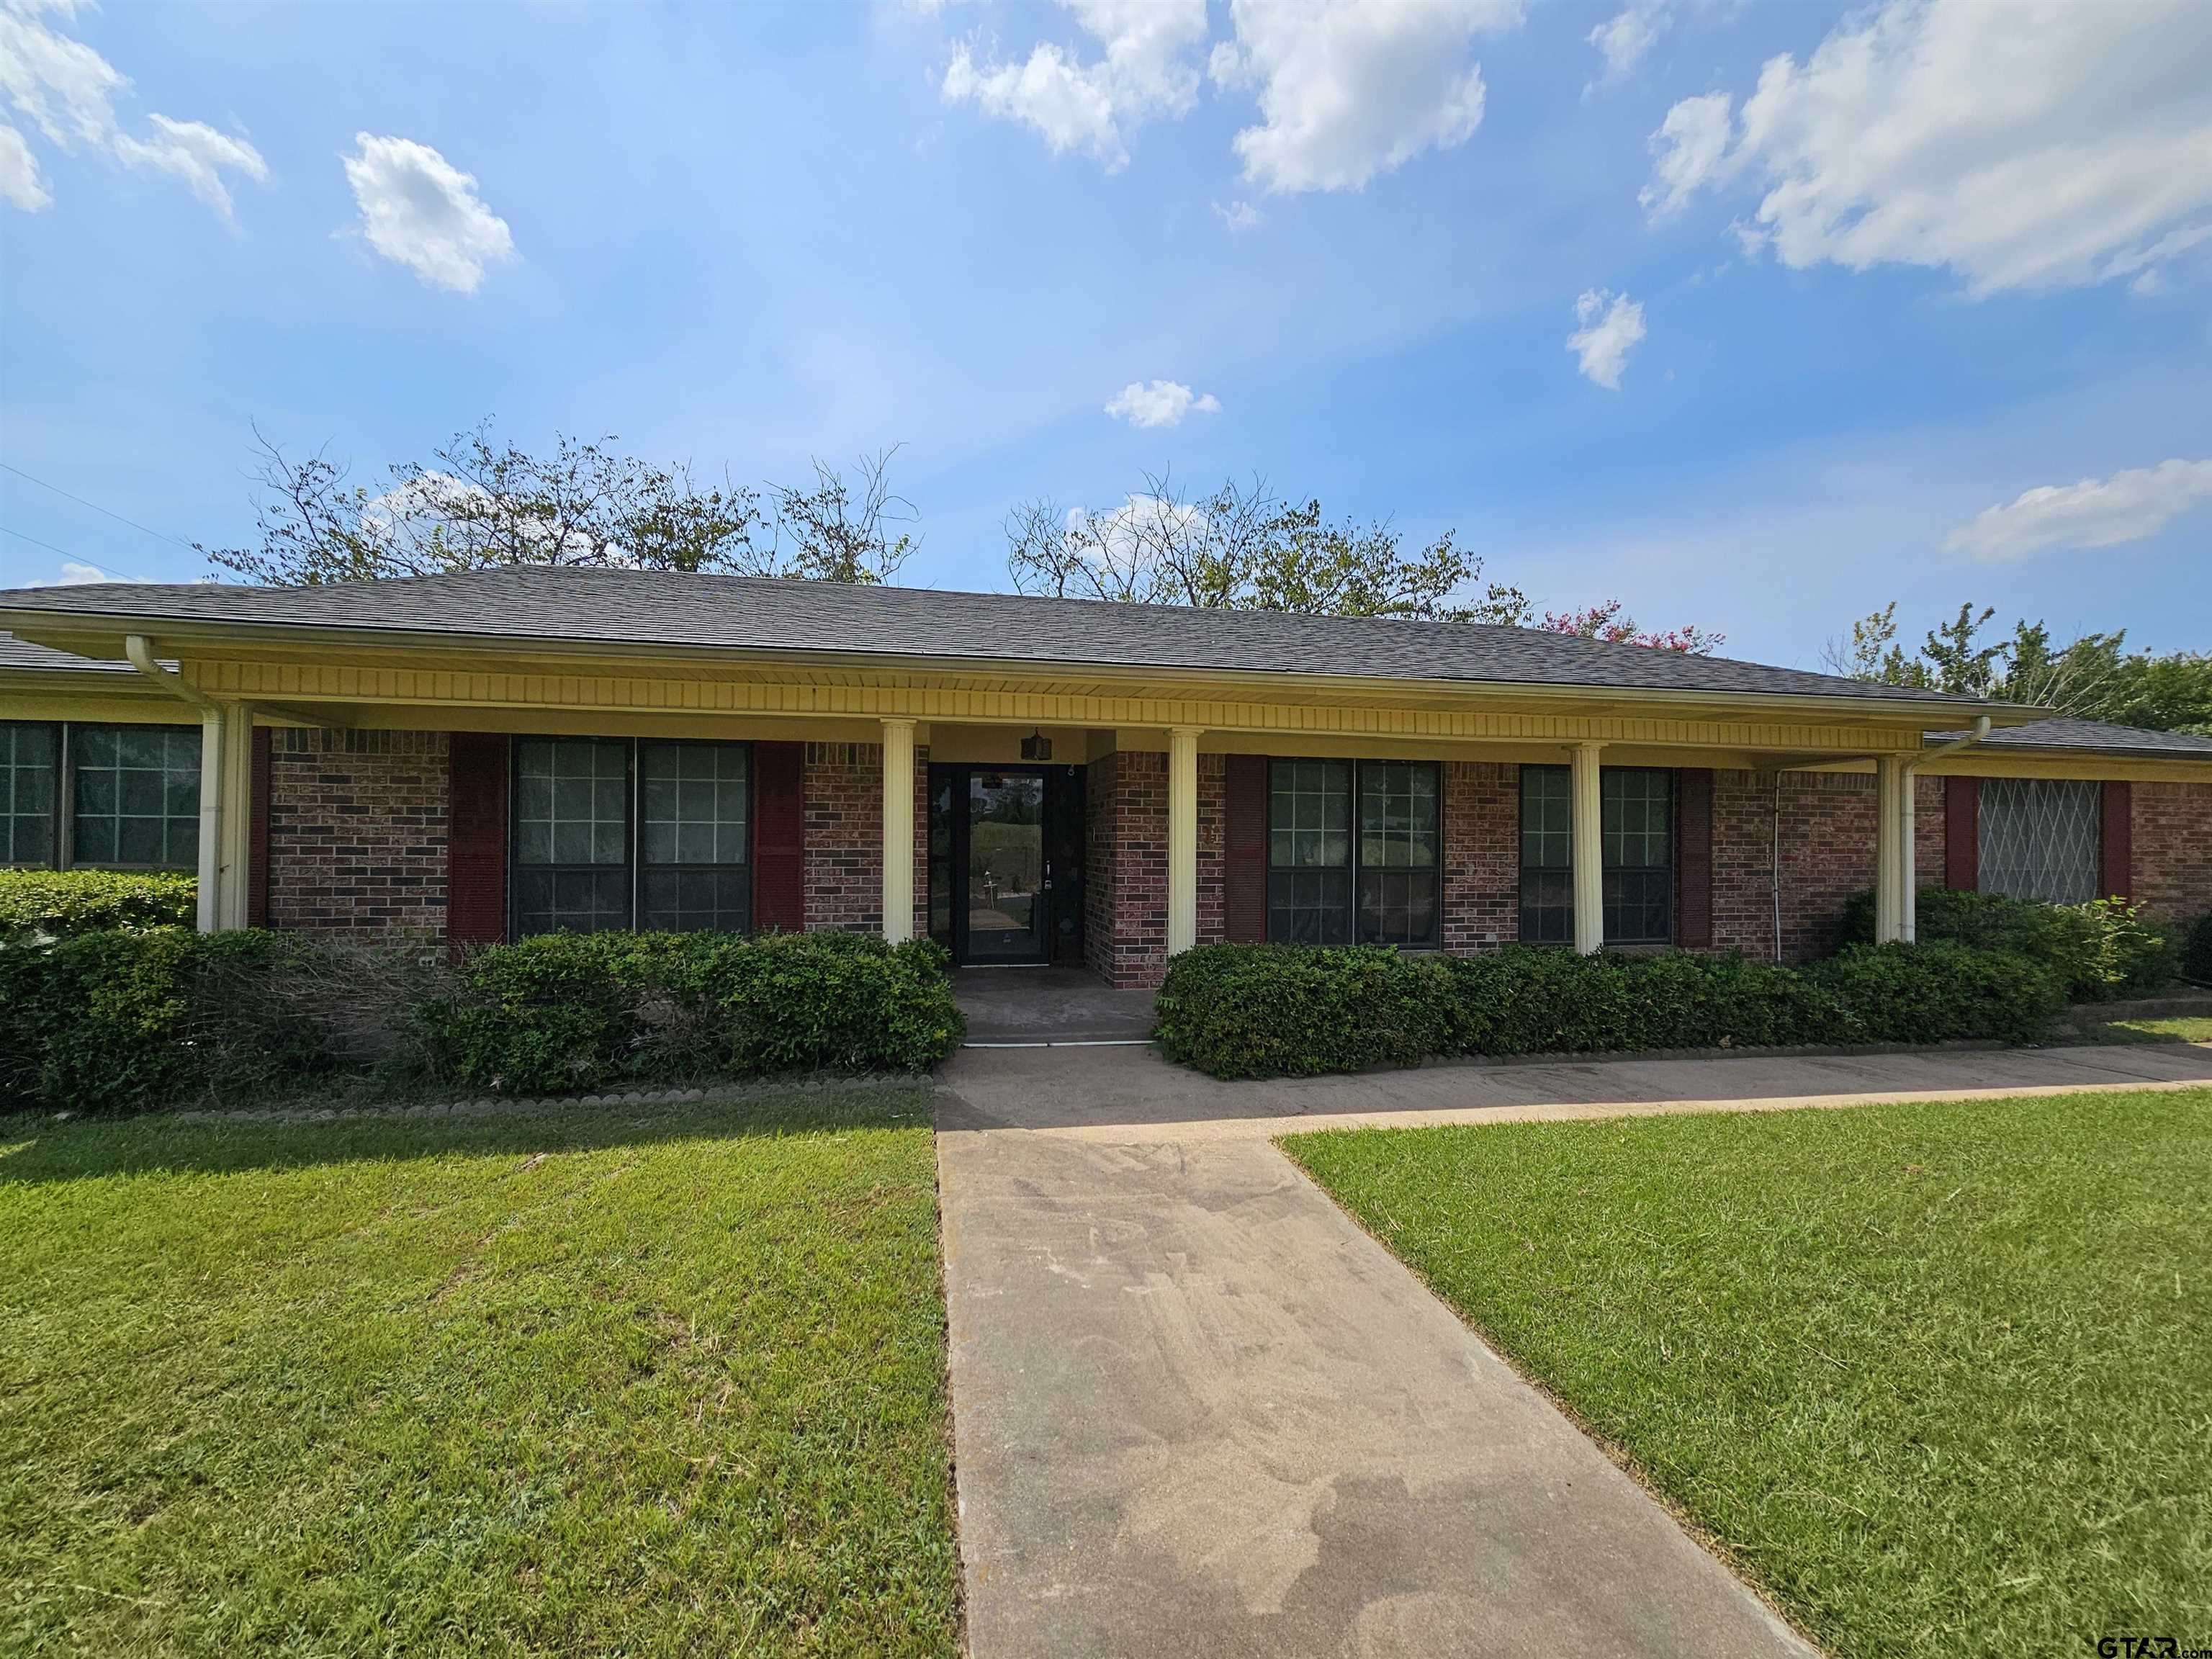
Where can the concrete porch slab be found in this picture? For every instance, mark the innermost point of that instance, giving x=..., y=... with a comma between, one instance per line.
x=1037, y=1006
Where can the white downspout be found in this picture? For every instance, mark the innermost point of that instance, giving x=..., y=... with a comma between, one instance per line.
x=1909, y=913
x=140, y=652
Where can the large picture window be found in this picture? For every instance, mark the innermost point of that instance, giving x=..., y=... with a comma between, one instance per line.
x=1353, y=853
x=1636, y=832
x=612, y=834
x=100, y=797
x=2040, y=838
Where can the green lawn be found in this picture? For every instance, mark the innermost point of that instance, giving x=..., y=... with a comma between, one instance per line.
x=630, y=1379
x=1939, y=1378
x=2153, y=1030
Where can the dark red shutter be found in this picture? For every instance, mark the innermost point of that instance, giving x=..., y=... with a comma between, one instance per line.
x=1962, y=833
x=2115, y=845
x=1693, y=859
x=1245, y=849
x=256, y=868
x=476, y=840
x=780, y=838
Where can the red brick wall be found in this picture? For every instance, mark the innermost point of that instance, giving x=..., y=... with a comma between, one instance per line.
x=1827, y=855
x=2170, y=827
x=844, y=784
x=1482, y=856
x=357, y=834
x=1126, y=919
x=1212, y=840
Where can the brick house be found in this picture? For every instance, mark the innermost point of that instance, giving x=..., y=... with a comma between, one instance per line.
x=451, y=759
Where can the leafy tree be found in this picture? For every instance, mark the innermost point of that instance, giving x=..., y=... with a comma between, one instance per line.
x=1239, y=547
x=834, y=532
x=1610, y=622
x=2092, y=677
x=481, y=503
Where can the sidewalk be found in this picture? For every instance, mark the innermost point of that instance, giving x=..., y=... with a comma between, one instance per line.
x=1126, y=1095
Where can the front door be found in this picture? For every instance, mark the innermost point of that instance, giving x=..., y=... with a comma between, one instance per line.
x=1008, y=911
x=1006, y=862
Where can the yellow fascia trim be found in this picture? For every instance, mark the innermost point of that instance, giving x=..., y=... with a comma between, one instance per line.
x=1465, y=718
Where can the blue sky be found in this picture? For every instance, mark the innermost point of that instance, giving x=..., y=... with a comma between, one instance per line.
x=1945, y=255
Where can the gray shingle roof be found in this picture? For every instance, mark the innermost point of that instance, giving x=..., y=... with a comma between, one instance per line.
x=22, y=654
x=2097, y=736
x=752, y=613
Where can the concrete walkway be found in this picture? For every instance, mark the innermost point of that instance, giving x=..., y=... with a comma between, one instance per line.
x=1199, y=1412
x=1118, y=1095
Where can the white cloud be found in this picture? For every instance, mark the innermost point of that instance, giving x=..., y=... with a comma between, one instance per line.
x=421, y=211
x=1350, y=89
x=1144, y=73
x=1624, y=42
x=1691, y=145
x=2094, y=513
x=2038, y=145
x=75, y=573
x=1611, y=325
x=19, y=172
x=1159, y=403
x=197, y=154
x=1240, y=215
x=62, y=86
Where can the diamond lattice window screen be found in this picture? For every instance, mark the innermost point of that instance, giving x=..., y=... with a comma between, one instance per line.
x=2039, y=839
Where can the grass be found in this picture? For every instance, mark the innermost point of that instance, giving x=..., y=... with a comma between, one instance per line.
x=634, y=1379
x=1939, y=1377
x=2152, y=1031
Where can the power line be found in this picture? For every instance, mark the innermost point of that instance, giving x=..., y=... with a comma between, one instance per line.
x=158, y=535
x=48, y=546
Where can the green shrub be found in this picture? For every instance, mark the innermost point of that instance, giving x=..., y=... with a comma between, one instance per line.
x=126, y=1019
x=2099, y=950
x=2197, y=951
x=1238, y=1010
x=56, y=904
x=1935, y=992
x=570, y=1012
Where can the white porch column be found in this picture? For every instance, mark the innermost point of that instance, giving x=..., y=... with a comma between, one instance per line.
x=212, y=727
x=1182, y=838
x=898, y=831
x=1908, y=855
x=1888, y=849
x=1589, y=850
x=234, y=834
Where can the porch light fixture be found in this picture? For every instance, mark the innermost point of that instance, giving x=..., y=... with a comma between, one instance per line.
x=1036, y=747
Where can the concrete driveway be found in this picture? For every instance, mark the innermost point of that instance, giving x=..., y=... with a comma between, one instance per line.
x=1198, y=1411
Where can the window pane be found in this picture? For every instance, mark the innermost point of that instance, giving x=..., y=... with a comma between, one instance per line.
x=695, y=802
x=135, y=799
x=548, y=899
x=1310, y=814
x=1310, y=907
x=680, y=900
x=1547, y=907
x=1398, y=906
x=1639, y=907
x=1547, y=818
x=571, y=801
x=1637, y=823
x=2039, y=839
x=1397, y=815
x=27, y=755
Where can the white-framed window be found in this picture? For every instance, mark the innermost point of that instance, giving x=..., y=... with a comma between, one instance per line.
x=92, y=797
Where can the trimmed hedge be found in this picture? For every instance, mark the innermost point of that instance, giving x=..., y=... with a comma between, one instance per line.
x=2197, y=951
x=574, y=1011
x=123, y=1019
x=127, y=1019
x=2101, y=951
x=57, y=904
x=1242, y=1011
